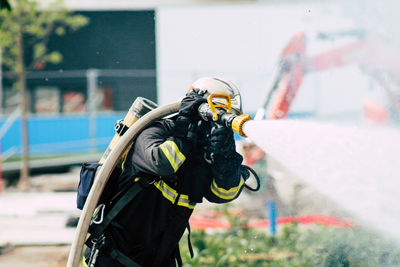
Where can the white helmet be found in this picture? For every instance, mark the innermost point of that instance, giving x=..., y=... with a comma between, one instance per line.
x=220, y=86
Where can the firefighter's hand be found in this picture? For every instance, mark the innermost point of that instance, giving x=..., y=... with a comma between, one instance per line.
x=184, y=128
x=192, y=133
x=222, y=141
x=191, y=102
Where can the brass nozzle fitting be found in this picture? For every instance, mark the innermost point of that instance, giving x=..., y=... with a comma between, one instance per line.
x=238, y=122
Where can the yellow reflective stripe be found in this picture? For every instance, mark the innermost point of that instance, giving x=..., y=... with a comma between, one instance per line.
x=84, y=262
x=226, y=194
x=169, y=157
x=174, y=156
x=179, y=154
x=184, y=202
x=170, y=194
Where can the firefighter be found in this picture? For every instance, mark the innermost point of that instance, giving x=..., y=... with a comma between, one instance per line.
x=178, y=161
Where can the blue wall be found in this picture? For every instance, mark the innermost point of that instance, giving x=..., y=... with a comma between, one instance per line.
x=69, y=133
x=60, y=133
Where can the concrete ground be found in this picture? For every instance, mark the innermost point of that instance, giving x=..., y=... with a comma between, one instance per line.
x=36, y=256
x=33, y=228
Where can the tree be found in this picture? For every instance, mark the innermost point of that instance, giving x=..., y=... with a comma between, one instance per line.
x=5, y=4
x=29, y=25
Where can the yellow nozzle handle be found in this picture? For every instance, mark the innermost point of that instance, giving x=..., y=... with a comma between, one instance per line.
x=237, y=124
x=213, y=106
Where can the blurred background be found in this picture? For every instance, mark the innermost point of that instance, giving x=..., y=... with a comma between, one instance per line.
x=69, y=70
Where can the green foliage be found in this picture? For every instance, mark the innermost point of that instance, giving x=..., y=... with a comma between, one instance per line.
x=296, y=245
x=35, y=23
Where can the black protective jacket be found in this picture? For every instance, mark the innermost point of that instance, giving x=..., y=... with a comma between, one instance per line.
x=149, y=228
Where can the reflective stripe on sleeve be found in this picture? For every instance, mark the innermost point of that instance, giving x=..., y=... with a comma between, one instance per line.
x=226, y=194
x=171, y=194
x=174, y=156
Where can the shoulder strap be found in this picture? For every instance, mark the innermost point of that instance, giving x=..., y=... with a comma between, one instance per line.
x=123, y=259
x=127, y=197
x=189, y=242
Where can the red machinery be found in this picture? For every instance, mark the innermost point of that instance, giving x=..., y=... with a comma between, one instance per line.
x=374, y=57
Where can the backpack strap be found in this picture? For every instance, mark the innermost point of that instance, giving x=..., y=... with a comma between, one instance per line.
x=123, y=259
x=189, y=242
x=126, y=197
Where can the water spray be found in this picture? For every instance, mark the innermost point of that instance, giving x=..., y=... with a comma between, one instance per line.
x=357, y=167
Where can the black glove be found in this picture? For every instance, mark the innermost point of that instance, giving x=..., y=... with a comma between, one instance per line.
x=188, y=112
x=222, y=141
x=185, y=129
x=180, y=127
x=191, y=102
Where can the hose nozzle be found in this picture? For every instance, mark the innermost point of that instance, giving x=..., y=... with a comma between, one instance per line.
x=222, y=117
x=237, y=124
